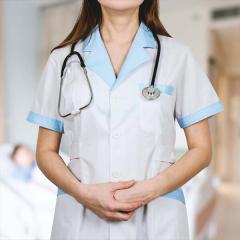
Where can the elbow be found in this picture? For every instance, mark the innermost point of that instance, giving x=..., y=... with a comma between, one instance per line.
x=207, y=156
x=207, y=162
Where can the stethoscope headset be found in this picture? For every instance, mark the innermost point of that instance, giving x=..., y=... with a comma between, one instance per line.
x=150, y=92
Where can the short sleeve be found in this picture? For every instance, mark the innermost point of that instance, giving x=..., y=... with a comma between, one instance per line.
x=196, y=98
x=44, y=109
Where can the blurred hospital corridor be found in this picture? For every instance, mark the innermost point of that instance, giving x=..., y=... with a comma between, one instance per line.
x=30, y=28
x=226, y=216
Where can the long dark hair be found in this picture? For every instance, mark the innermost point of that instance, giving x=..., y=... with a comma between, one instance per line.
x=91, y=15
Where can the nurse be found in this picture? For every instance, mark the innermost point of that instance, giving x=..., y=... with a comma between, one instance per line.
x=123, y=181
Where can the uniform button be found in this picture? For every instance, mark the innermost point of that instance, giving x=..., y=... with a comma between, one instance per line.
x=116, y=174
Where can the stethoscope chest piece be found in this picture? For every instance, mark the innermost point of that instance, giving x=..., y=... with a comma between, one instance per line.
x=151, y=93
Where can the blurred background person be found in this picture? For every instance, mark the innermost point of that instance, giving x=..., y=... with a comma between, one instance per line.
x=27, y=197
x=24, y=164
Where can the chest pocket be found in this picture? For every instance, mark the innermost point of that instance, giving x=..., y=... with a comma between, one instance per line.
x=154, y=115
x=76, y=92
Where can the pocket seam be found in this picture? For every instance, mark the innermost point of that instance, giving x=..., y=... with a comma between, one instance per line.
x=164, y=88
x=167, y=148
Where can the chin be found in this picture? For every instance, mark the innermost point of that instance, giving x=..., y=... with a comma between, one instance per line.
x=120, y=4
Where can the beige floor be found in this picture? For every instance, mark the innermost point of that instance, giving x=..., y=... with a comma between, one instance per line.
x=225, y=223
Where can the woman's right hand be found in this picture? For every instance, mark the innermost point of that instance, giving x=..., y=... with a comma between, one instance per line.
x=100, y=199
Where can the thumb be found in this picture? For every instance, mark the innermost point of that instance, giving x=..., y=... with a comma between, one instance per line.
x=123, y=184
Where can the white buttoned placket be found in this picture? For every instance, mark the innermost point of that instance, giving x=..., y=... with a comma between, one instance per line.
x=114, y=137
x=115, y=172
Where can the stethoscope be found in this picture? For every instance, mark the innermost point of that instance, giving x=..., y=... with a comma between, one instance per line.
x=150, y=92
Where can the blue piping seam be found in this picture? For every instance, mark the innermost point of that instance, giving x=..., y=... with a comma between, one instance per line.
x=60, y=191
x=176, y=194
x=168, y=89
x=43, y=121
x=201, y=114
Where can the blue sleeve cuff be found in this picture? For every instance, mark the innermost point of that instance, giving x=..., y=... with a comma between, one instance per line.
x=203, y=113
x=43, y=121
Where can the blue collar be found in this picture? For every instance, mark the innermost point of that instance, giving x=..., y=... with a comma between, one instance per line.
x=98, y=59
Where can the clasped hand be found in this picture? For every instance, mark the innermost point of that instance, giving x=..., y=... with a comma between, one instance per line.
x=117, y=201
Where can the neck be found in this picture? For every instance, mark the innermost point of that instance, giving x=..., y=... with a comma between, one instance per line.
x=117, y=24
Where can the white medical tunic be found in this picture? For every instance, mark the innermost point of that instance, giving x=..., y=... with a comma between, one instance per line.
x=121, y=135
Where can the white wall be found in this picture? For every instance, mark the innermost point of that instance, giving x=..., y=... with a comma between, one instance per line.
x=189, y=25
x=21, y=36
x=2, y=112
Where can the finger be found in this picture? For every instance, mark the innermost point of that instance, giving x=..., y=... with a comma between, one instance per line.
x=120, y=216
x=123, y=206
x=122, y=184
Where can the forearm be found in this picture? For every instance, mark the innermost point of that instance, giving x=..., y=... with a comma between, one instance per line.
x=192, y=162
x=54, y=168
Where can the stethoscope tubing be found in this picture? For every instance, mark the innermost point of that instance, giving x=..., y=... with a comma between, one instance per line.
x=72, y=53
x=149, y=91
x=157, y=58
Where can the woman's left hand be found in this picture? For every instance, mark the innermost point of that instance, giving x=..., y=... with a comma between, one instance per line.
x=143, y=191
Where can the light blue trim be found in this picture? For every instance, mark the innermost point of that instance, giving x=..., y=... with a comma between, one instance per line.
x=143, y=36
x=168, y=89
x=201, y=114
x=60, y=191
x=176, y=194
x=46, y=122
x=148, y=38
x=98, y=59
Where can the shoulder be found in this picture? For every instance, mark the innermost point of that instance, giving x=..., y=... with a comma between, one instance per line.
x=174, y=46
x=58, y=55
x=173, y=43
x=175, y=52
